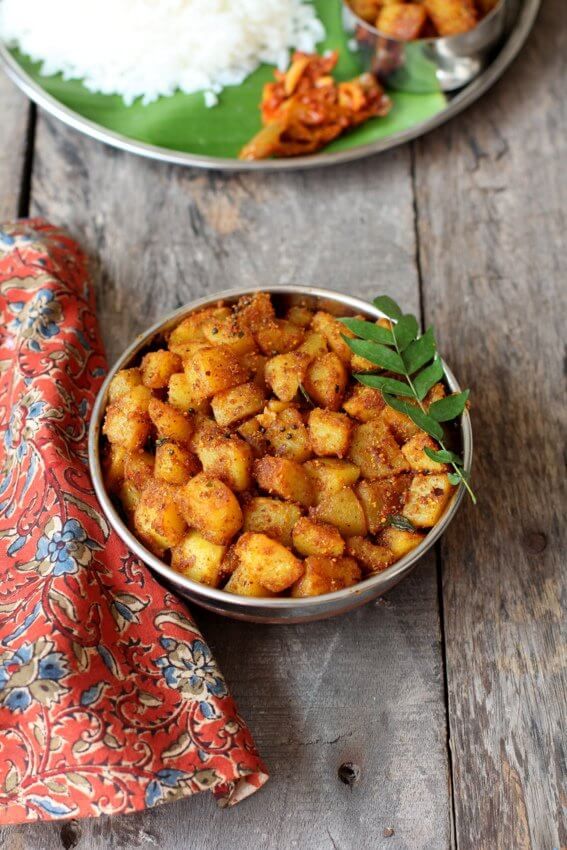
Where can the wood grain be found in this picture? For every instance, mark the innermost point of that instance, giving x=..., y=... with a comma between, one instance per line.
x=13, y=146
x=367, y=688
x=491, y=196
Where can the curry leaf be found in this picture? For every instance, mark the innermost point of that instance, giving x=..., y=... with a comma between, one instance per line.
x=427, y=378
x=405, y=331
x=366, y=330
x=377, y=353
x=400, y=522
x=388, y=385
x=420, y=352
x=421, y=419
x=388, y=306
x=449, y=407
x=443, y=456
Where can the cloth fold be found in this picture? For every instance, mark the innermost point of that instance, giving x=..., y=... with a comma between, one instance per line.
x=110, y=699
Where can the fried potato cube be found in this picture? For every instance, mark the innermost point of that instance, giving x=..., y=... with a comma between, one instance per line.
x=326, y=380
x=169, y=422
x=285, y=372
x=243, y=584
x=413, y=451
x=403, y=21
x=127, y=422
x=325, y=575
x=190, y=329
x=157, y=518
x=373, y=558
x=157, y=368
x=230, y=333
x=279, y=336
x=255, y=365
x=113, y=467
x=254, y=311
x=174, y=463
x=300, y=316
x=317, y=538
x=129, y=496
x=436, y=393
x=366, y=9
x=182, y=396
x=285, y=478
x=399, y=424
x=237, y=403
x=333, y=331
x=255, y=435
x=451, y=17
x=375, y=452
x=124, y=381
x=364, y=403
x=198, y=559
x=329, y=432
x=329, y=475
x=399, y=541
x=289, y=437
x=266, y=560
x=223, y=455
x=138, y=467
x=211, y=370
x=211, y=507
x=314, y=344
x=271, y=517
x=380, y=499
x=427, y=499
x=343, y=510
x=184, y=350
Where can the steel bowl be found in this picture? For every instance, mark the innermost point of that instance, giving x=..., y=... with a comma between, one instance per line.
x=269, y=610
x=427, y=64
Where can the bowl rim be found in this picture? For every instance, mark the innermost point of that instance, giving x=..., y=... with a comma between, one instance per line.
x=437, y=39
x=213, y=595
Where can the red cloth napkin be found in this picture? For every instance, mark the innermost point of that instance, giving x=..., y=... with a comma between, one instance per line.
x=110, y=700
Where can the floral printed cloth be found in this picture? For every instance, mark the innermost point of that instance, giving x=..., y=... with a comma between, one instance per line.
x=110, y=700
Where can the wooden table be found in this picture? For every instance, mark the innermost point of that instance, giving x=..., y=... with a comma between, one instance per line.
x=447, y=694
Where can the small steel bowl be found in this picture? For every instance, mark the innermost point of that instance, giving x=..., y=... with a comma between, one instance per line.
x=278, y=610
x=427, y=64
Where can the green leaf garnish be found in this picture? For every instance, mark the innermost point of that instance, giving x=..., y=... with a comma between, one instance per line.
x=366, y=330
x=455, y=479
x=306, y=396
x=449, y=407
x=400, y=522
x=443, y=456
x=388, y=306
x=405, y=331
x=427, y=378
x=420, y=352
x=388, y=385
x=379, y=354
x=421, y=419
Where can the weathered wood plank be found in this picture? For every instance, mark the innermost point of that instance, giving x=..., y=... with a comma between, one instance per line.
x=366, y=688
x=491, y=196
x=15, y=110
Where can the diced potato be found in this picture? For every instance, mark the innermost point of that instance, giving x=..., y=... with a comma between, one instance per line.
x=413, y=451
x=127, y=422
x=274, y=405
x=255, y=365
x=326, y=380
x=343, y=510
x=334, y=331
x=364, y=403
x=317, y=538
x=123, y=382
x=158, y=367
x=289, y=437
x=285, y=372
x=183, y=397
x=399, y=424
x=211, y=370
x=129, y=496
x=243, y=584
x=373, y=558
x=427, y=499
x=366, y=9
x=271, y=517
x=255, y=435
x=279, y=337
x=174, y=463
x=314, y=344
x=211, y=507
x=399, y=541
x=402, y=21
x=329, y=432
x=138, y=467
x=329, y=475
x=185, y=350
x=230, y=333
x=191, y=328
x=113, y=467
x=285, y=478
x=301, y=316
x=254, y=311
x=169, y=422
x=325, y=575
x=451, y=17
x=436, y=393
x=157, y=518
x=380, y=499
x=266, y=560
x=223, y=455
x=375, y=452
x=198, y=559
x=237, y=403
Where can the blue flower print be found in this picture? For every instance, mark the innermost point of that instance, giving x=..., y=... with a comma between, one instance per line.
x=38, y=318
x=63, y=549
x=190, y=668
x=33, y=672
x=23, y=424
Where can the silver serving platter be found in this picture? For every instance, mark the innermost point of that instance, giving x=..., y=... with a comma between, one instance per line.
x=270, y=610
x=522, y=16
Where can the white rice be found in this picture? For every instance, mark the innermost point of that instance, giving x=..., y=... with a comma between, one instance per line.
x=151, y=48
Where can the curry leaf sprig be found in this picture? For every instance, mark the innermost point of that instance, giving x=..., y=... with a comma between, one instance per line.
x=412, y=357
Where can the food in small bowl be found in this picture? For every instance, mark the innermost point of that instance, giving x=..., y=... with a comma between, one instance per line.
x=406, y=20
x=243, y=451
